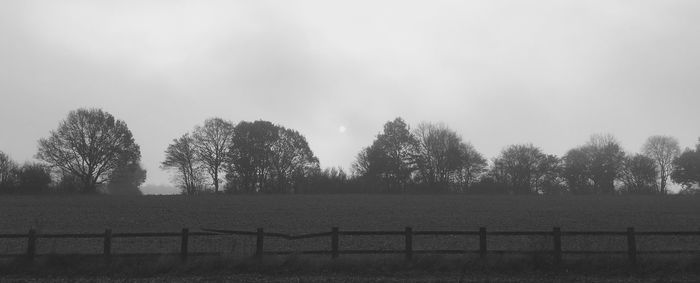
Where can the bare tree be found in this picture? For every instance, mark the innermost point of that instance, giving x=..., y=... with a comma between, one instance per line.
x=473, y=165
x=663, y=150
x=213, y=141
x=292, y=159
x=444, y=161
x=89, y=144
x=438, y=153
x=524, y=169
x=639, y=175
x=8, y=173
x=606, y=159
x=181, y=157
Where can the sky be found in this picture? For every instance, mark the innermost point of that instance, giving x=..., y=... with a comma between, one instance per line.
x=547, y=72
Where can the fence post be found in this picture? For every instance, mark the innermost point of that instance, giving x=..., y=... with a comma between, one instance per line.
x=482, y=243
x=31, y=244
x=334, y=243
x=107, y=248
x=557, y=245
x=259, y=243
x=631, y=246
x=409, y=243
x=184, y=243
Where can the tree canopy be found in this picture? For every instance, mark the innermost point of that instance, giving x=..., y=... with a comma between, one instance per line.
x=687, y=169
x=90, y=144
x=662, y=150
x=180, y=156
x=213, y=141
x=265, y=157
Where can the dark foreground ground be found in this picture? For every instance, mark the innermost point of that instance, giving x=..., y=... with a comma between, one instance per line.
x=345, y=278
x=307, y=213
x=318, y=213
x=363, y=270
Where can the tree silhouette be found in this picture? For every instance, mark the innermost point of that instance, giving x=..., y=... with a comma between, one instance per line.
x=686, y=169
x=89, y=144
x=663, y=150
x=292, y=160
x=639, y=175
x=473, y=164
x=127, y=179
x=265, y=157
x=576, y=171
x=180, y=156
x=395, y=154
x=606, y=159
x=33, y=178
x=368, y=168
x=438, y=155
x=249, y=156
x=212, y=141
x=8, y=174
x=525, y=169
x=443, y=159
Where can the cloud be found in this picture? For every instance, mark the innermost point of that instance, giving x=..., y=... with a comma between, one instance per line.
x=499, y=72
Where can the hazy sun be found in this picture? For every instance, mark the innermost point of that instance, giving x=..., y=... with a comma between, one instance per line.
x=342, y=129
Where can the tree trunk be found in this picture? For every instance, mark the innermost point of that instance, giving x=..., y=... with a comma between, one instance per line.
x=216, y=181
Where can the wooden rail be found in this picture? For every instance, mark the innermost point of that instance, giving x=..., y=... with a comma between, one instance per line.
x=335, y=237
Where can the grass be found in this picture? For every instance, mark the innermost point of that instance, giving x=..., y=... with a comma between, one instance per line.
x=308, y=213
x=359, y=269
x=296, y=214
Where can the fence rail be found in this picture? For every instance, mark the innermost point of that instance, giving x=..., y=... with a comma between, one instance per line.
x=335, y=235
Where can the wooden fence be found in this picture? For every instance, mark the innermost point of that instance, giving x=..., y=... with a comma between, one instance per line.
x=408, y=234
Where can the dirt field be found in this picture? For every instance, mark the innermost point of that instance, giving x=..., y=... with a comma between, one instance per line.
x=309, y=213
x=298, y=214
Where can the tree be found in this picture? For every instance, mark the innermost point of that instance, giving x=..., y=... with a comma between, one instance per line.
x=606, y=159
x=639, y=175
x=686, y=169
x=126, y=180
x=594, y=167
x=180, y=156
x=213, y=141
x=330, y=180
x=576, y=171
x=248, y=159
x=443, y=160
x=394, y=153
x=265, y=157
x=663, y=150
x=438, y=154
x=368, y=167
x=473, y=165
x=89, y=144
x=34, y=178
x=8, y=174
x=292, y=160
x=524, y=169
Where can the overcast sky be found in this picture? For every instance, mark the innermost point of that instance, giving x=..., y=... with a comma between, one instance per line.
x=498, y=72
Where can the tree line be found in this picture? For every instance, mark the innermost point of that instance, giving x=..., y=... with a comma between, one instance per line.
x=93, y=152
x=251, y=157
x=89, y=152
x=433, y=158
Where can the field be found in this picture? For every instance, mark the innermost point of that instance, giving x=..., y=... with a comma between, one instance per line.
x=309, y=213
x=298, y=214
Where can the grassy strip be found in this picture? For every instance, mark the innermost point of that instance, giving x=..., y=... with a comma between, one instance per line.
x=374, y=266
